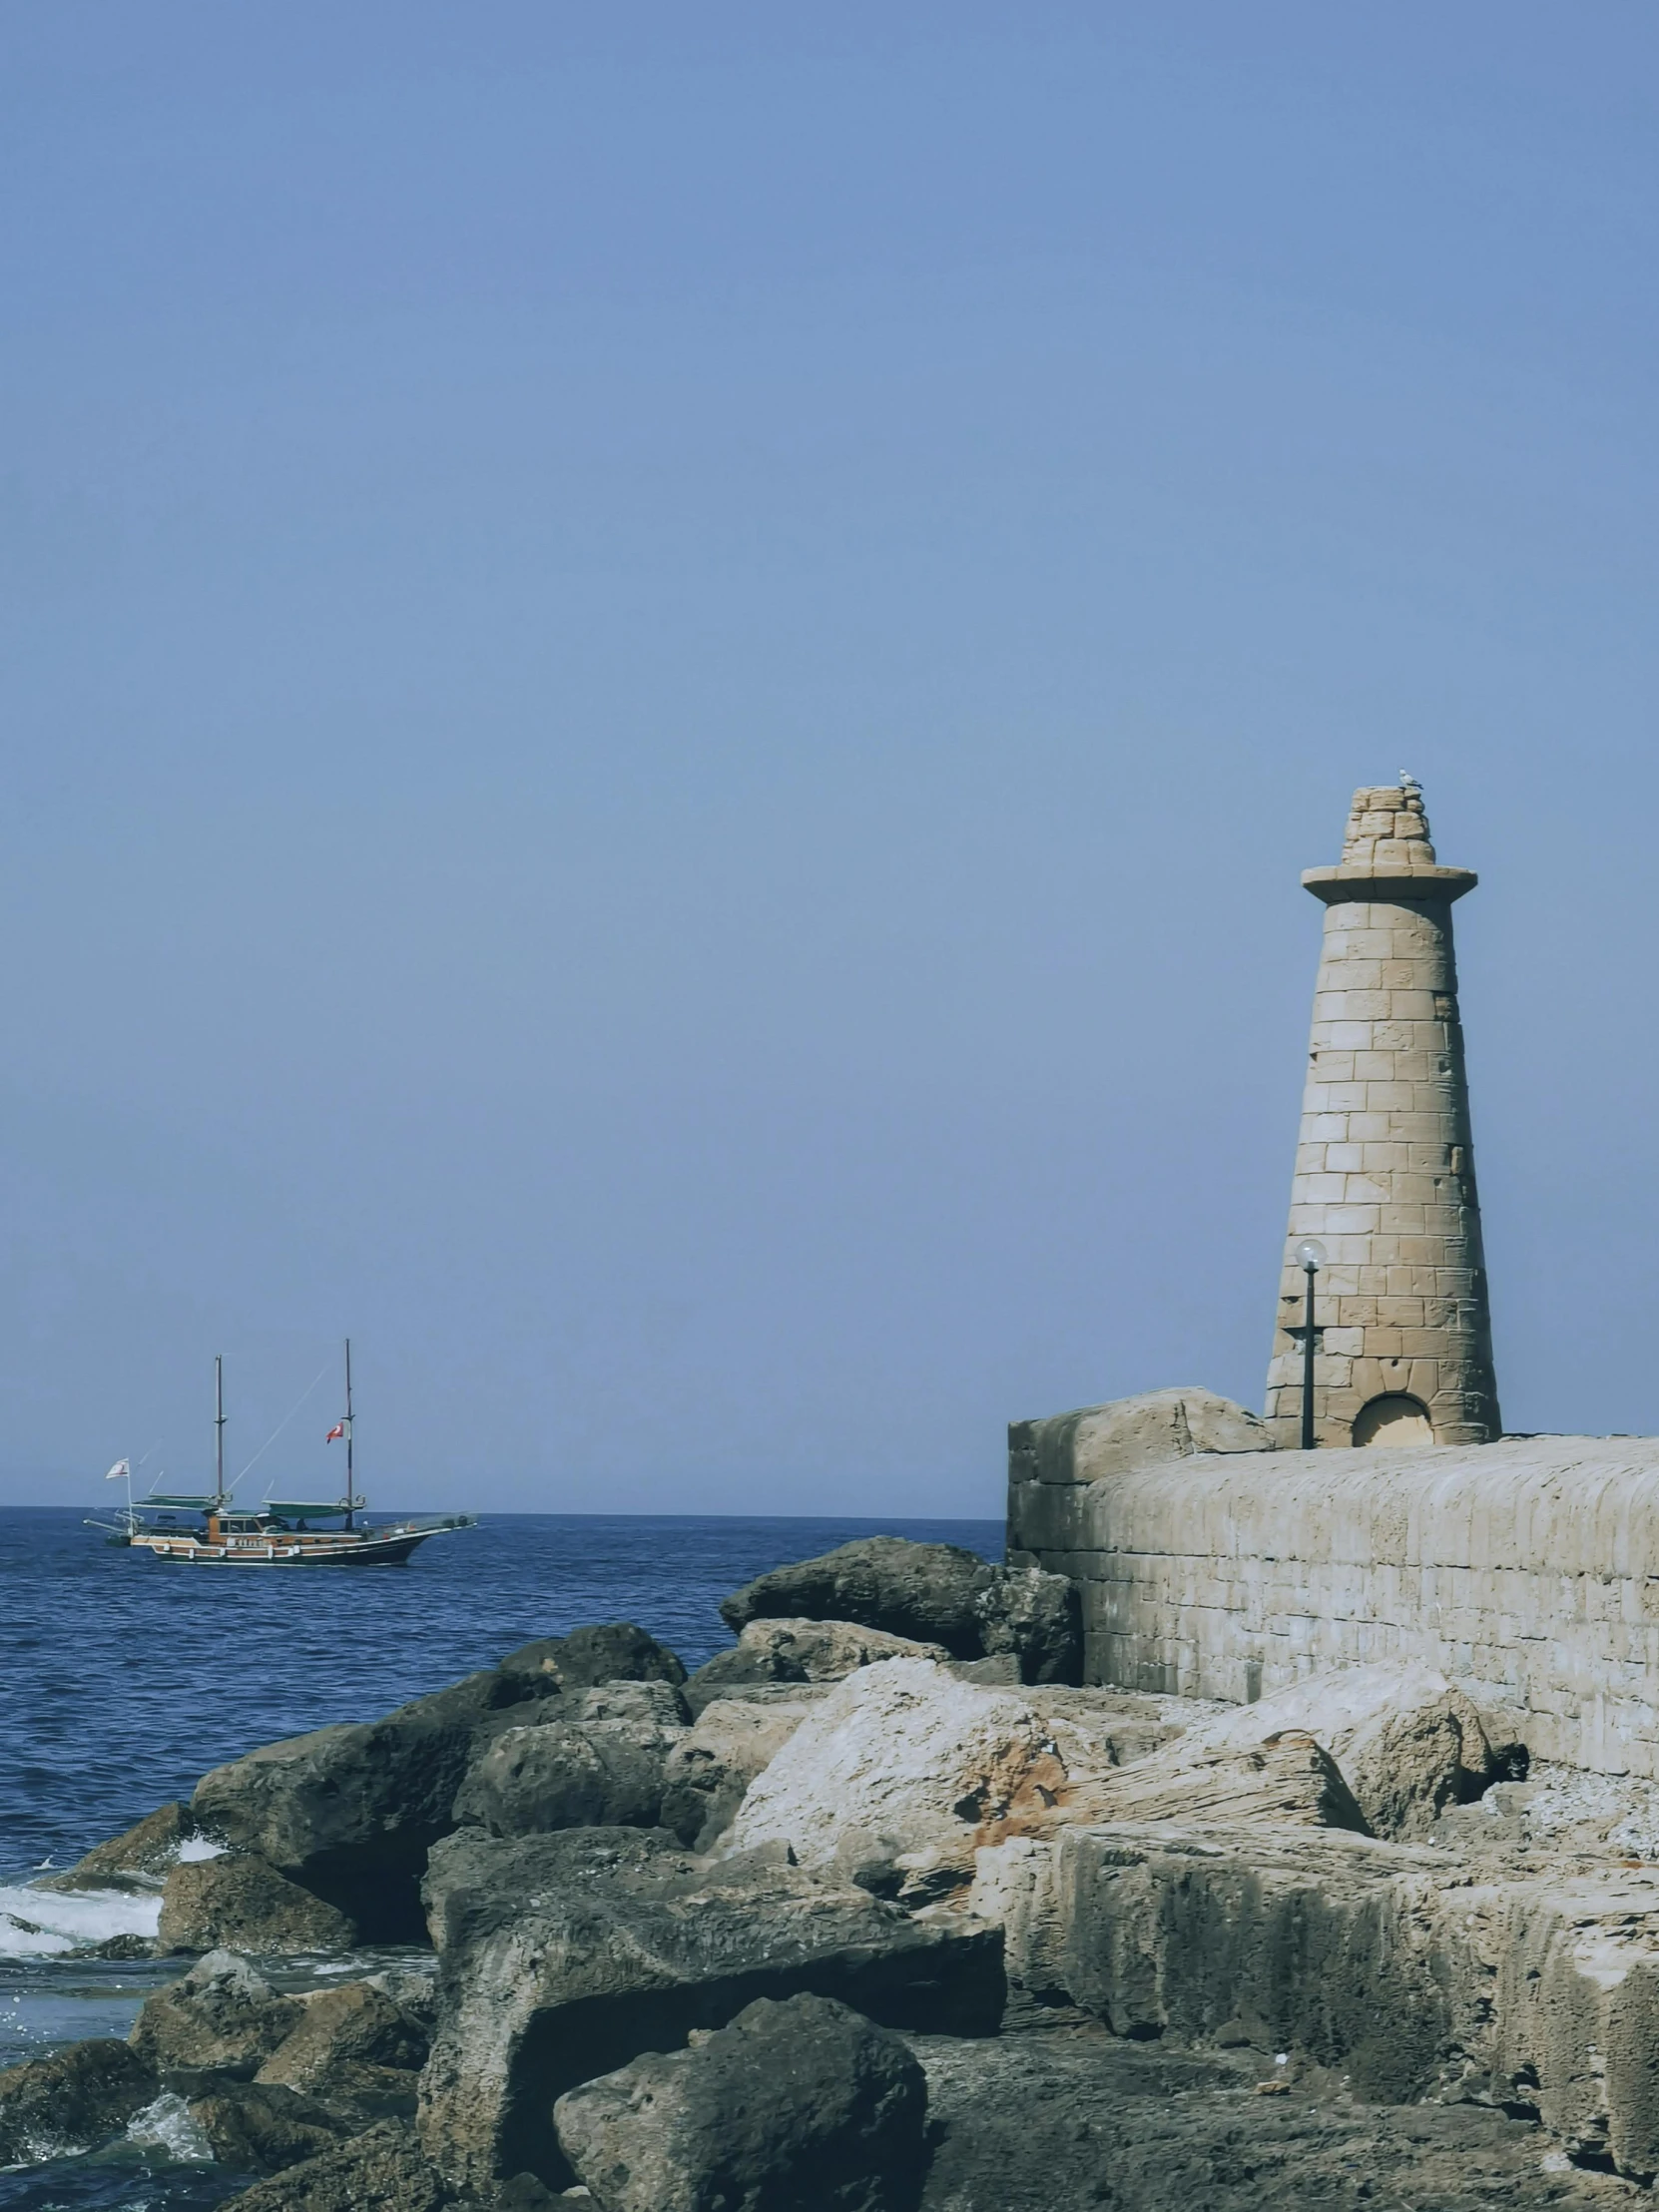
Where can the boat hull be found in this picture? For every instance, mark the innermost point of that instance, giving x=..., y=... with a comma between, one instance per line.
x=385, y=1552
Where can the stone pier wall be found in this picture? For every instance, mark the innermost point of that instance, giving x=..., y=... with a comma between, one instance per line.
x=1527, y=1570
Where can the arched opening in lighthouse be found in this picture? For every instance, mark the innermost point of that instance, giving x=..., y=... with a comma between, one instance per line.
x=1396, y=1420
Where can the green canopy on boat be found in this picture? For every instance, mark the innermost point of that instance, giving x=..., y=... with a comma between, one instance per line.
x=278, y=1505
x=198, y=1504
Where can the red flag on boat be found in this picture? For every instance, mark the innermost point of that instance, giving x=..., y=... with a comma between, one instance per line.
x=338, y=1429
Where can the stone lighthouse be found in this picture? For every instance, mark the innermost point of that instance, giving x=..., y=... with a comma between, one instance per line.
x=1385, y=1168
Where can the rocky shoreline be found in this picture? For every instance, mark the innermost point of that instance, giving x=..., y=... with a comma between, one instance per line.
x=881, y=1908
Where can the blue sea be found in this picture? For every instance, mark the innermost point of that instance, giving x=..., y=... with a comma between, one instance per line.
x=123, y=1679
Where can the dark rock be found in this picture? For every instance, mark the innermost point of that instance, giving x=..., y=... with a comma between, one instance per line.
x=138, y=1861
x=1037, y=1618
x=353, y=2022
x=259, y=2130
x=798, y=1651
x=223, y=2017
x=709, y=1769
x=602, y=1767
x=795, y=2106
x=72, y=2100
x=383, y=2170
x=565, y=1956
x=350, y=1812
x=617, y=1652
x=1083, y=2121
x=240, y=1902
x=927, y=1592
x=932, y=1593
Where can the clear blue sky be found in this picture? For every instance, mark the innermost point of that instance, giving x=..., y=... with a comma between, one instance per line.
x=666, y=670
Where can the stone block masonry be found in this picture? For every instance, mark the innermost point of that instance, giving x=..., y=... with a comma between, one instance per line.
x=1526, y=1570
x=1385, y=1164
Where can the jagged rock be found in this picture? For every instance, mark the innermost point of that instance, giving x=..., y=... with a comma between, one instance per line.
x=798, y=1651
x=350, y=1812
x=587, y=1657
x=355, y=2050
x=138, y=1861
x=930, y=1593
x=908, y=1753
x=564, y=1956
x=383, y=2170
x=257, y=2130
x=240, y=1903
x=709, y=1769
x=1036, y=1618
x=351, y=2022
x=792, y=2107
x=1287, y=1778
x=72, y=2100
x=223, y=2017
x=602, y=1767
x=1408, y=1744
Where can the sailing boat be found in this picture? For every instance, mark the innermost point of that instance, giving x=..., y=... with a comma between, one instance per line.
x=277, y=1533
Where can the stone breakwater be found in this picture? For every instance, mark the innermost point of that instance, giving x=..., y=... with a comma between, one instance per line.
x=884, y=1910
x=1209, y=1564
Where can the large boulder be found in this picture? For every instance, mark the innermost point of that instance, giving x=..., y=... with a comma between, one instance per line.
x=616, y=1651
x=708, y=1771
x=930, y=1593
x=908, y=1753
x=138, y=1862
x=253, y=2129
x=72, y=2100
x=770, y=1651
x=1287, y=1778
x=350, y=1812
x=564, y=1956
x=240, y=1903
x=793, y=2107
x=1408, y=1741
x=602, y=1767
x=353, y=2049
x=383, y=2170
x=223, y=2017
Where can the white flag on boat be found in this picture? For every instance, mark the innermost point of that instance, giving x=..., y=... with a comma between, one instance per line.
x=121, y=1468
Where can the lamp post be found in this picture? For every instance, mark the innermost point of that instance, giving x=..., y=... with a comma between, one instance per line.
x=1311, y=1255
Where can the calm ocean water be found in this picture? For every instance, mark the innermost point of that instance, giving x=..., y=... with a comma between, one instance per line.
x=122, y=1680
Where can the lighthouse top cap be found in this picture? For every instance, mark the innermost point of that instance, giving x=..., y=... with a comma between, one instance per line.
x=1387, y=851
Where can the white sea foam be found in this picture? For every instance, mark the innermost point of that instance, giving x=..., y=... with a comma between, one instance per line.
x=43, y=1924
x=197, y=1847
x=167, y=2125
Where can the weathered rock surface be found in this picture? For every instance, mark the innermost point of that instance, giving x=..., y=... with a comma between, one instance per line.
x=908, y=1753
x=383, y=2170
x=222, y=2018
x=564, y=1956
x=138, y=1861
x=72, y=2100
x=1408, y=1744
x=240, y=1903
x=353, y=2023
x=798, y=1651
x=930, y=1593
x=587, y=1657
x=350, y=1812
x=602, y=1767
x=793, y=2107
x=257, y=2130
x=708, y=1771
x=1286, y=1776
x=1076, y=2120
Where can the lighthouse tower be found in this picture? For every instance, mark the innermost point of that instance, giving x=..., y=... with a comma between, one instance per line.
x=1385, y=1167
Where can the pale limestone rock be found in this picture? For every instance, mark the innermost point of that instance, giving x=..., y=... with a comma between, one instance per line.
x=1409, y=1743
x=708, y=1771
x=909, y=1753
x=1285, y=1778
x=798, y=1650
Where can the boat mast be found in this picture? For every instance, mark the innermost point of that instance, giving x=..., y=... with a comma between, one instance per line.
x=350, y=1477
x=219, y=1433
